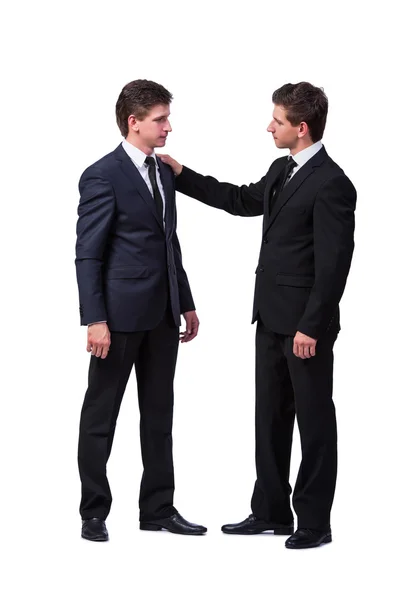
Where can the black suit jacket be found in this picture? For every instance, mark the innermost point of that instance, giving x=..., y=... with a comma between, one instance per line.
x=126, y=264
x=307, y=242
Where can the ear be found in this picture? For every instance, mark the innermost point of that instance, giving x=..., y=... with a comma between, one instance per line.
x=303, y=129
x=133, y=123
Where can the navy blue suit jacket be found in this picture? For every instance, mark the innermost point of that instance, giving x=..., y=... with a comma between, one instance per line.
x=127, y=265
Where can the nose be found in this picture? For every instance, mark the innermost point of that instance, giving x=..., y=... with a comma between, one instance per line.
x=271, y=128
x=168, y=126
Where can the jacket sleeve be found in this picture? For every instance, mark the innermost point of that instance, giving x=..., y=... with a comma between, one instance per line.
x=333, y=250
x=244, y=201
x=95, y=217
x=185, y=295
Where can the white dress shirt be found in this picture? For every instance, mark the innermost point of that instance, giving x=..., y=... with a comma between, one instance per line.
x=138, y=157
x=304, y=155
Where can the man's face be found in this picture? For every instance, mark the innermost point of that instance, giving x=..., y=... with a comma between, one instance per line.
x=154, y=128
x=285, y=134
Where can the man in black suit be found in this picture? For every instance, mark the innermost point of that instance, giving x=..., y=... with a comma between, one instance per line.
x=307, y=244
x=132, y=290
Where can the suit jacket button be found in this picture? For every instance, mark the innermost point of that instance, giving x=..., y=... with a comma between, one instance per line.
x=265, y=241
x=261, y=270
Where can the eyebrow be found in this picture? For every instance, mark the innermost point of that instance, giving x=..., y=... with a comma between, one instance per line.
x=277, y=120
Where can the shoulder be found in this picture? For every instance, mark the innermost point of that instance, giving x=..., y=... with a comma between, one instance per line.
x=275, y=168
x=166, y=170
x=333, y=177
x=278, y=163
x=101, y=169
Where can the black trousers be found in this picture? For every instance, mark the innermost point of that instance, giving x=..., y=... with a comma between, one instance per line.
x=287, y=386
x=154, y=355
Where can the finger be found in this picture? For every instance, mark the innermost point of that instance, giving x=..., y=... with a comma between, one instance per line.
x=295, y=349
x=301, y=351
x=306, y=351
x=105, y=351
x=88, y=346
x=312, y=350
x=195, y=330
x=184, y=336
x=189, y=327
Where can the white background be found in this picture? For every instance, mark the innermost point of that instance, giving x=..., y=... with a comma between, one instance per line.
x=64, y=65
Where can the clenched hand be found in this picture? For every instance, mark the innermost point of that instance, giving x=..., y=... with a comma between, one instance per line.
x=303, y=346
x=98, y=340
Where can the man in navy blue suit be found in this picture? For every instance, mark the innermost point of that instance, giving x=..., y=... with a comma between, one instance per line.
x=132, y=291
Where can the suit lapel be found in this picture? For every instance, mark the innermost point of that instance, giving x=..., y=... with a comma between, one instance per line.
x=296, y=181
x=135, y=177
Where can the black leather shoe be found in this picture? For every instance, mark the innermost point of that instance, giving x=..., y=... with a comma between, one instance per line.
x=308, y=538
x=174, y=524
x=94, y=530
x=253, y=525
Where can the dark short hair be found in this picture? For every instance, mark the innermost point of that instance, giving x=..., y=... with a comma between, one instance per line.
x=304, y=102
x=138, y=98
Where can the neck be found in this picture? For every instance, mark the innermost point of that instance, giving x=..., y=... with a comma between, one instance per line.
x=300, y=145
x=139, y=144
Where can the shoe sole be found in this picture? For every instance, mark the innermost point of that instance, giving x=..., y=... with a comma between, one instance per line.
x=280, y=531
x=326, y=540
x=91, y=539
x=151, y=527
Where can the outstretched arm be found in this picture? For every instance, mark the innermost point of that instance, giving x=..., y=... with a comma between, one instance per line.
x=245, y=201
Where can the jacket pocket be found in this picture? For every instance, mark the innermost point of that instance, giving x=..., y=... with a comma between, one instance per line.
x=295, y=280
x=127, y=272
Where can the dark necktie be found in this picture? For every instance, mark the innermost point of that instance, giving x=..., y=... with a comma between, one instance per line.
x=151, y=164
x=283, y=180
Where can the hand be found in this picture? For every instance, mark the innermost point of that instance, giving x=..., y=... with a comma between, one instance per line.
x=303, y=346
x=98, y=339
x=168, y=160
x=192, y=326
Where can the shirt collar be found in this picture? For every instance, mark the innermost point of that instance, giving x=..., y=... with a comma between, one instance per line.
x=304, y=155
x=135, y=154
